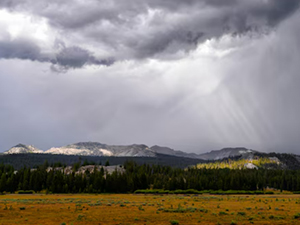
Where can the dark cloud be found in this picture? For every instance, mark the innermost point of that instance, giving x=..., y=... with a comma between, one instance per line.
x=72, y=57
x=277, y=10
x=76, y=57
x=66, y=58
x=20, y=49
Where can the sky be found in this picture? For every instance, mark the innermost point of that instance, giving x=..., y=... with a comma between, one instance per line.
x=193, y=75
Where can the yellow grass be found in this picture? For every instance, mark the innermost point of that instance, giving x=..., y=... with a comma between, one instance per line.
x=148, y=209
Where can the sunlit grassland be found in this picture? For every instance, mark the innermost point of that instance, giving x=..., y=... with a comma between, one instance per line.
x=149, y=209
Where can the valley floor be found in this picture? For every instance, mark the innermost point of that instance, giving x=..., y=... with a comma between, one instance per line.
x=149, y=209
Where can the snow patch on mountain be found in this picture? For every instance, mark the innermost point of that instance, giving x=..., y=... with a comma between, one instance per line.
x=75, y=151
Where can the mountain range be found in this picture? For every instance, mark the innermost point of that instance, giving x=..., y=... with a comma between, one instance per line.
x=243, y=157
x=134, y=150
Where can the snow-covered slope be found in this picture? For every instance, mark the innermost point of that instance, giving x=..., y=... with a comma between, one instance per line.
x=20, y=148
x=98, y=149
x=81, y=148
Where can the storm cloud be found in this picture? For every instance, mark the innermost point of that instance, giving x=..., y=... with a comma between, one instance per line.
x=191, y=75
x=147, y=29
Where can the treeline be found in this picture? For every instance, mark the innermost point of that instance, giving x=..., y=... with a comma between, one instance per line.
x=145, y=176
x=18, y=161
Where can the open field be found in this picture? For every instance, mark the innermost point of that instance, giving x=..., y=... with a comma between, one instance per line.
x=149, y=209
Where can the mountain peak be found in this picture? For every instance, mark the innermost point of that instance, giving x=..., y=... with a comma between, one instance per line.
x=21, y=148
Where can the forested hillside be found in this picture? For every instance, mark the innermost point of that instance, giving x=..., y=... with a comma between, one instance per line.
x=136, y=177
x=33, y=160
x=255, y=161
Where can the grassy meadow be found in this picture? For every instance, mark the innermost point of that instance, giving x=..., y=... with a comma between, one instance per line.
x=149, y=209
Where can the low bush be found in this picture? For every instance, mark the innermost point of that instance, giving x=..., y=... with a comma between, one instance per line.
x=174, y=222
x=297, y=216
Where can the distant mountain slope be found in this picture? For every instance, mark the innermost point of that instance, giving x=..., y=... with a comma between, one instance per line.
x=227, y=153
x=255, y=160
x=169, y=151
x=287, y=161
x=21, y=149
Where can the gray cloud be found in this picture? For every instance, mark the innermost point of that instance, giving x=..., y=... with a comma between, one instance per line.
x=152, y=29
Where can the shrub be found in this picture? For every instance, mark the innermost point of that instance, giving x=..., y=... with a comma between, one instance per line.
x=80, y=217
x=241, y=213
x=297, y=216
x=203, y=210
x=174, y=222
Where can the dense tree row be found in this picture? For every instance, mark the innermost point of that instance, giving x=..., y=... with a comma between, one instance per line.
x=143, y=177
x=18, y=161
